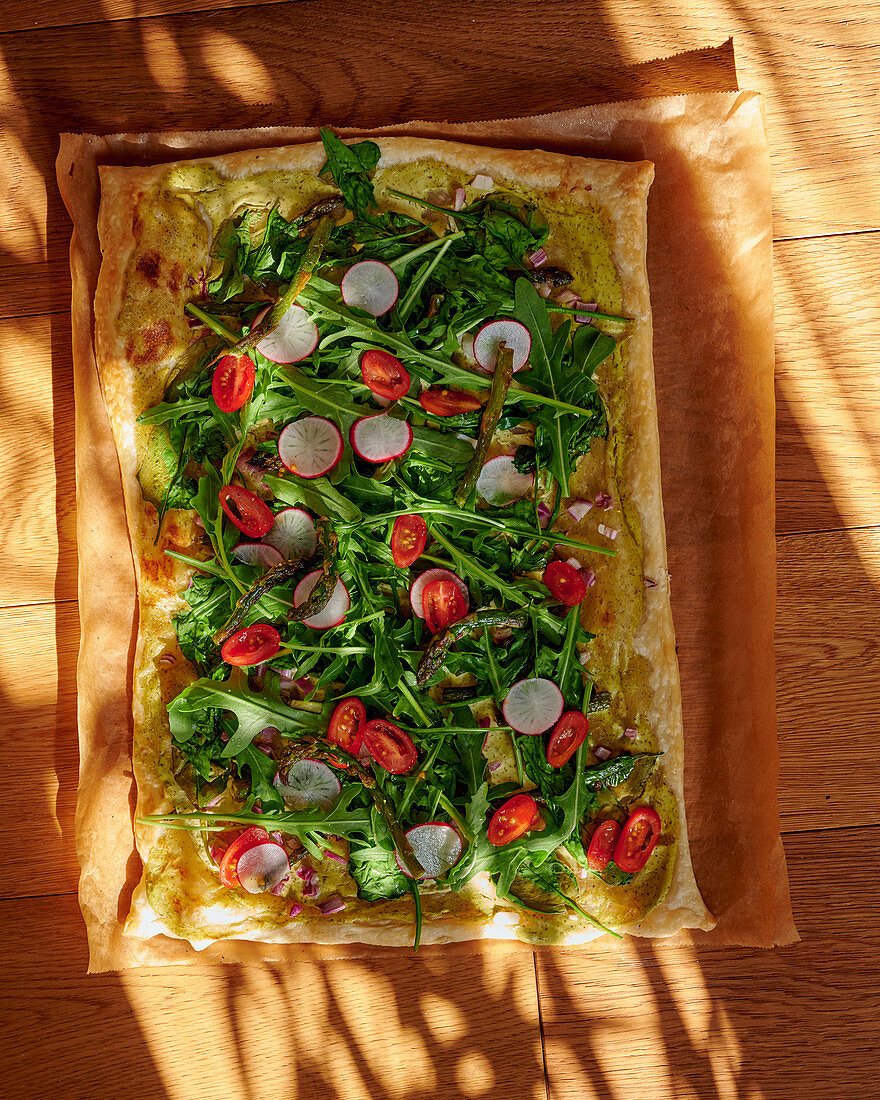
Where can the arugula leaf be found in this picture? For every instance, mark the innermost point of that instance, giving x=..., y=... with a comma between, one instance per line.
x=349, y=165
x=210, y=600
x=377, y=873
x=317, y=494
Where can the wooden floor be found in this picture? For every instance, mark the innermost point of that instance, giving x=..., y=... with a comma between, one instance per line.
x=801, y=1022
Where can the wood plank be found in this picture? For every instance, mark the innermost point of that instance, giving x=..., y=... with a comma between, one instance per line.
x=271, y=62
x=38, y=542
x=827, y=383
x=731, y=1023
x=19, y=15
x=828, y=677
x=38, y=748
x=455, y=1022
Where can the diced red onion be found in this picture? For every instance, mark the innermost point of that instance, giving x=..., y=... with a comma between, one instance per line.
x=494, y=766
x=256, y=809
x=537, y=258
x=601, y=753
x=585, y=657
x=310, y=891
x=484, y=723
x=482, y=182
x=574, y=563
x=544, y=289
x=167, y=660
x=609, y=532
x=566, y=297
x=215, y=801
x=333, y=904
x=295, y=909
x=544, y=514
x=265, y=749
x=303, y=871
x=589, y=577
x=203, y=282
x=313, y=879
x=631, y=733
x=578, y=509
x=278, y=838
x=458, y=201
x=267, y=736
x=336, y=856
x=278, y=890
x=603, y=500
x=582, y=319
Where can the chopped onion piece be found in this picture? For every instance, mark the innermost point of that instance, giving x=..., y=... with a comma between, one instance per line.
x=295, y=909
x=333, y=904
x=574, y=563
x=537, y=258
x=544, y=514
x=589, y=576
x=458, y=202
x=601, y=753
x=578, y=509
x=278, y=890
x=482, y=182
x=603, y=500
x=335, y=855
x=494, y=766
x=566, y=297
x=631, y=733
x=544, y=289
x=609, y=532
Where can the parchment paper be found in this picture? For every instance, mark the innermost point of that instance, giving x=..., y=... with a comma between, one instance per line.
x=709, y=264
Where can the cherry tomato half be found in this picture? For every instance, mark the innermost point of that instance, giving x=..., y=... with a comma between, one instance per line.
x=390, y=747
x=252, y=645
x=568, y=735
x=408, y=538
x=512, y=819
x=443, y=604
x=602, y=844
x=347, y=725
x=449, y=402
x=251, y=516
x=233, y=382
x=637, y=840
x=565, y=583
x=250, y=838
x=384, y=374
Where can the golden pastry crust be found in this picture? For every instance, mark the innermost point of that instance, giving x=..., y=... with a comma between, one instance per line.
x=134, y=361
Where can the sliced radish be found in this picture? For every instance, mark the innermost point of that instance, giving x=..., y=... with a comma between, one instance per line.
x=263, y=867
x=437, y=847
x=380, y=438
x=533, y=705
x=371, y=286
x=256, y=554
x=293, y=534
x=307, y=783
x=333, y=613
x=500, y=483
x=295, y=337
x=504, y=331
x=310, y=447
x=424, y=579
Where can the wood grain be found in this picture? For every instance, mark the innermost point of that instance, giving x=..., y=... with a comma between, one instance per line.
x=731, y=1023
x=450, y=1023
x=827, y=383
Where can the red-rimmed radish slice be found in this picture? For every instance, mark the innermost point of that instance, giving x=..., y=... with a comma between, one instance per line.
x=371, y=286
x=295, y=337
x=380, y=438
x=293, y=534
x=504, y=331
x=500, y=483
x=307, y=783
x=333, y=613
x=263, y=867
x=533, y=705
x=257, y=554
x=310, y=447
x=423, y=579
x=437, y=847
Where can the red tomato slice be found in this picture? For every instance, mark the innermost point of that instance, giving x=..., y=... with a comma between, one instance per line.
x=447, y=402
x=250, y=838
x=565, y=583
x=251, y=516
x=602, y=845
x=637, y=840
x=252, y=645
x=408, y=538
x=384, y=374
x=443, y=604
x=568, y=735
x=390, y=747
x=512, y=819
x=347, y=725
x=233, y=382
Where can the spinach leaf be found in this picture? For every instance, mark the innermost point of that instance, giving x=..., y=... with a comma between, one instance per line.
x=350, y=166
x=377, y=874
